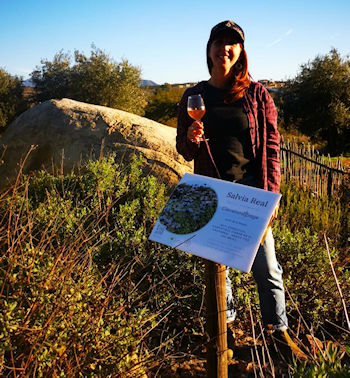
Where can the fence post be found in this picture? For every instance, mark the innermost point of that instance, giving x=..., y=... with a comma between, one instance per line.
x=215, y=277
x=329, y=183
x=306, y=165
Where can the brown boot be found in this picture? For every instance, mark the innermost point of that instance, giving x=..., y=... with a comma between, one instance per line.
x=313, y=345
x=286, y=346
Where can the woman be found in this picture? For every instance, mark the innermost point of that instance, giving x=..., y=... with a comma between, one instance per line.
x=240, y=124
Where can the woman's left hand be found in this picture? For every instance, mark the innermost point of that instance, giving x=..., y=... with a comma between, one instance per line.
x=195, y=132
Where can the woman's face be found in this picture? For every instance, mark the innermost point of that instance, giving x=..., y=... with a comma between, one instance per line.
x=224, y=52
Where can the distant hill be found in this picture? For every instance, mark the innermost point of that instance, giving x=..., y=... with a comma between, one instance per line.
x=28, y=83
x=144, y=83
x=148, y=83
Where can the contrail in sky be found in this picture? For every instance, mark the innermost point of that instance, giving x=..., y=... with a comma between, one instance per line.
x=290, y=31
x=274, y=42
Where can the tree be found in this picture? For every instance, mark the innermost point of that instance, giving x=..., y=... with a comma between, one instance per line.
x=317, y=101
x=130, y=95
x=162, y=106
x=96, y=79
x=53, y=79
x=12, y=102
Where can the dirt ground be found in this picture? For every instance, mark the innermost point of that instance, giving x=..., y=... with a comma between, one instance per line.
x=247, y=361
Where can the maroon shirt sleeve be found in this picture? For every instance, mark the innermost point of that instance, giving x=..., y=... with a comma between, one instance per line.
x=272, y=144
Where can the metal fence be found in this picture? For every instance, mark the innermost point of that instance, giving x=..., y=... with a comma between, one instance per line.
x=305, y=165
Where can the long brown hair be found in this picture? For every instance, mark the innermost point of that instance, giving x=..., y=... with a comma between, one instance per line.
x=239, y=82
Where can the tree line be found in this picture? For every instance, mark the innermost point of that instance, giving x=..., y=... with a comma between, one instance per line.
x=95, y=79
x=316, y=102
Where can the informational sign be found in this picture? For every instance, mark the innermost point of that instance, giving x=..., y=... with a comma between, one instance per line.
x=218, y=220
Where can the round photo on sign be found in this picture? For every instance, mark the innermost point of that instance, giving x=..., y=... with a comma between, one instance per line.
x=189, y=208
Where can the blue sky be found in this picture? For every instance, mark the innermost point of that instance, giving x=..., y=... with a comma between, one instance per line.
x=167, y=39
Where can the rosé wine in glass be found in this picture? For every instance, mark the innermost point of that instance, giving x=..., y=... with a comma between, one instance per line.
x=195, y=107
x=196, y=110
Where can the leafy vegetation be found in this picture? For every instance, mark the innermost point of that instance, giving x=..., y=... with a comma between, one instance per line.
x=317, y=101
x=302, y=209
x=83, y=292
x=307, y=277
x=162, y=105
x=96, y=79
x=11, y=99
x=330, y=365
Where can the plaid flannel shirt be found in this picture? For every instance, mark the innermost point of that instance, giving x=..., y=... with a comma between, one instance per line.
x=265, y=138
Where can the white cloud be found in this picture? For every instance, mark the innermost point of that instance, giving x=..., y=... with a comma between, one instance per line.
x=290, y=31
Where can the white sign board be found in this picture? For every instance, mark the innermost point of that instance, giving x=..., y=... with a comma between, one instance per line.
x=221, y=221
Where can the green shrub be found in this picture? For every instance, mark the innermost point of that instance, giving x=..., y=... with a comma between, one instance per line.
x=302, y=209
x=81, y=285
x=308, y=276
x=330, y=363
x=82, y=289
x=12, y=102
x=162, y=105
x=95, y=79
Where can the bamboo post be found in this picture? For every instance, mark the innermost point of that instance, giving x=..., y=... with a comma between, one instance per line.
x=330, y=178
x=313, y=175
x=329, y=184
x=282, y=158
x=289, y=166
x=338, y=166
x=215, y=277
x=302, y=165
x=322, y=177
x=318, y=175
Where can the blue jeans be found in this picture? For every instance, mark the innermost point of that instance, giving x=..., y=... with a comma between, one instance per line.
x=268, y=275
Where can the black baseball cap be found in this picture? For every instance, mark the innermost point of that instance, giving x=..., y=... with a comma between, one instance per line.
x=227, y=26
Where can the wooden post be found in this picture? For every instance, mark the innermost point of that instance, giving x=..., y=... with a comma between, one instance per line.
x=329, y=184
x=215, y=277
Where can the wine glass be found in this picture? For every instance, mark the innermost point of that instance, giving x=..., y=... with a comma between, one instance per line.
x=196, y=108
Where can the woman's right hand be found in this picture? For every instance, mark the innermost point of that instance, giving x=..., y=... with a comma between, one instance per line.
x=195, y=132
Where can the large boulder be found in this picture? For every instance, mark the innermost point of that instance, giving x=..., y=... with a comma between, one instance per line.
x=69, y=132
